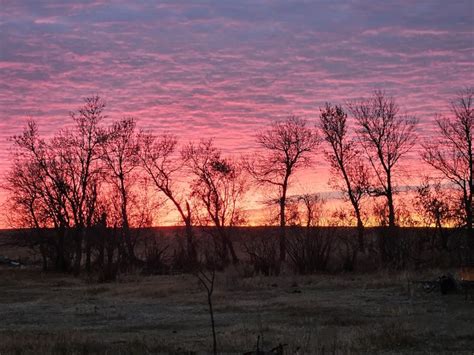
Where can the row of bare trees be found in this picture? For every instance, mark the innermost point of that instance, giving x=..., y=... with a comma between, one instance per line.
x=364, y=160
x=92, y=175
x=89, y=175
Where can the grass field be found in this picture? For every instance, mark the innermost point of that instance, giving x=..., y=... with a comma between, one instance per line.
x=327, y=313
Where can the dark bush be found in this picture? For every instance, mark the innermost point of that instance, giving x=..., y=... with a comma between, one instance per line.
x=263, y=254
x=309, y=249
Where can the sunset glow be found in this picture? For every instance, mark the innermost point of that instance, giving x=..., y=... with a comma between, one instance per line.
x=227, y=69
x=236, y=176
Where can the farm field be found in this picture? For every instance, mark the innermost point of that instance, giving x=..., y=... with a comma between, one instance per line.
x=323, y=313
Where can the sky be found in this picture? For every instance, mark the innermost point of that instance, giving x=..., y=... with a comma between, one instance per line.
x=226, y=69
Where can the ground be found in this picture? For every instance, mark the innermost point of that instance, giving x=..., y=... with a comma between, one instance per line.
x=327, y=313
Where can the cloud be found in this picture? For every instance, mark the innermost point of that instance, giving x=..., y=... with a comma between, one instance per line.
x=226, y=68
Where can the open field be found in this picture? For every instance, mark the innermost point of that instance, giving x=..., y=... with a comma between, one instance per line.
x=325, y=313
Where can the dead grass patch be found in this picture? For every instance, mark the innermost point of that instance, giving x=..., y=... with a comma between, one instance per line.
x=325, y=313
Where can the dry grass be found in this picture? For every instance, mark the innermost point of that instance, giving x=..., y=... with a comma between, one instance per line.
x=342, y=313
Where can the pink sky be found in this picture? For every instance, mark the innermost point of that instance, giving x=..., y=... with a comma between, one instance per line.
x=225, y=69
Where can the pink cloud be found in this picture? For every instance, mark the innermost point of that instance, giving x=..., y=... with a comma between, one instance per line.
x=221, y=69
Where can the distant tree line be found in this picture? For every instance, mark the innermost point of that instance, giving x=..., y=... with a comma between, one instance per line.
x=92, y=184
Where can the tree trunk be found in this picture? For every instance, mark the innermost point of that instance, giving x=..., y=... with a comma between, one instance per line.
x=43, y=251
x=88, y=251
x=191, y=248
x=101, y=236
x=60, y=257
x=444, y=240
x=469, y=220
x=468, y=209
x=101, y=239
x=230, y=245
x=391, y=208
x=469, y=195
x=125, y=225
x=111, y=244
x=283, y=221
x=79, y=236
x=213, y=325
x=360, y=232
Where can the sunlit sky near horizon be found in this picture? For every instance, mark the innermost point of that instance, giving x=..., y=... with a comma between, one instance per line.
x=226, y=69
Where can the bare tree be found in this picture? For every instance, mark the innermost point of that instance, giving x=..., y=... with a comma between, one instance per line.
x=386, y=137
x=39, y=188
x=120, y=156
x=313, y=206
x=304, y=210
x=450, y=152
x=26, y=177
x=287, y=145
x=350, y=173
x=158, y=156
x=68, y=172
x=434, y=207
x=61, y=183
x=28, y=207
x=218, y=186
x=79, y=152
x=21, y=182
x=207, y=280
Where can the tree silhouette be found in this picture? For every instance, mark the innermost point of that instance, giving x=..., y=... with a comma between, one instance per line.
x=207, y=280
x=73, y=187
x=79, y=152
x=386, y=137
x=349, y=170
x=434, y=207
x=218, y=186
x=287, y=146
x=450, y=152
x=120, y=156
x=33, y=198
x=22, y=181
x=158, y=156
x=68, y=168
